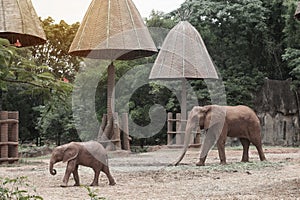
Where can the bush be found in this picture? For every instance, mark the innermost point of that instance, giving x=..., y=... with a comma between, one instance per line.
x=15, y=189
x=92, y=194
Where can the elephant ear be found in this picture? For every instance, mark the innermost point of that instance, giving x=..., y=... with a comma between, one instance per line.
x=214, y=115
x=214, y=123
x=71, y=152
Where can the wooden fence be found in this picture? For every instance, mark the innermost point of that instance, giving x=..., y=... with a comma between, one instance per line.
x=176, y=131
x=9, y=134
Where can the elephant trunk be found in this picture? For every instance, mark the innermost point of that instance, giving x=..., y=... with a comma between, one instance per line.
x=52, y=171
x=187, y=139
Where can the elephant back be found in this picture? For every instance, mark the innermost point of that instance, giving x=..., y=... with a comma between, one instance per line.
x=96, y=150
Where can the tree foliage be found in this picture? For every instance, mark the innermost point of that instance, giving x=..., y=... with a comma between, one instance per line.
x=247, y=39
x=55, y=52
x=55, y=122
x=25, y=85
x=31, y=81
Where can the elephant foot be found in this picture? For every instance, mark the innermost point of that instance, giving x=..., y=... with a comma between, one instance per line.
x=245, y=158
x=112, y=183
x=63, y=185
x=94, y=184
x=223, y=163
x=200, y=163
x=76, y=184
x=263, y=158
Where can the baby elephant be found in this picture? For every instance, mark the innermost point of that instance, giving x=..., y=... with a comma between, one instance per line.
x=91, y=154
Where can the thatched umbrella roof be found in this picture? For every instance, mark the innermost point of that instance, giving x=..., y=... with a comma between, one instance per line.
x=297, y=13
x=183, y=56
x=20, y=23
x=112, y=29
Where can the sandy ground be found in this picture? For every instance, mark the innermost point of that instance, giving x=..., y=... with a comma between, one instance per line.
x=148, y=176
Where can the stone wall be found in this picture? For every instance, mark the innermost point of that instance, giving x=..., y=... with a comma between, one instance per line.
x=280, y=129
x=277, y=108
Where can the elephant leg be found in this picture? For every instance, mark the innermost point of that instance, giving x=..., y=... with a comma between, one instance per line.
x=258, y=145
x=245, y=142
x=109, y=176
x=76, y=176
x=96, y=177
x=70, y=169
x=210, y=139
x=201, y=161
x=221, y=149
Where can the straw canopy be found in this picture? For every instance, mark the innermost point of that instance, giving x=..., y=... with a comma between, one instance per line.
x=183, y=55
x=20, y=24
x=112, y=29
x=297, y=13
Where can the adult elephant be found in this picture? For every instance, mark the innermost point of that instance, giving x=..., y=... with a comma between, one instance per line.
x=220, y=122
x=91, y=154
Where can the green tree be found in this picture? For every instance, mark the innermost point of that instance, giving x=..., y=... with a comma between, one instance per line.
x=38, y=77
x=17, y=67
x=56, y=122
x=159, y=19
x=55, y=52
x=245, y=38
x=291, y=55
x=22, y=98
x=25, y=85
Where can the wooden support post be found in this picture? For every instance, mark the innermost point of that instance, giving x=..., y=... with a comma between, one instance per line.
x=13, y=136
x=126, y=144
x=102, y=127
x=192, y=136
x=110, y=90
x=183, y=127
x=178, y=129
x=4, y=137
x=183, y=99
x=116, y=138
x=170, y=129
x=107, y=129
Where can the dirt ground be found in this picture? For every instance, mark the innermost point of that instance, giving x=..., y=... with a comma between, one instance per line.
x=148, y=176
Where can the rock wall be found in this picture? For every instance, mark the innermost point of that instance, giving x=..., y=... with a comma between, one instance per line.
x=277, y=108
x=279, y=130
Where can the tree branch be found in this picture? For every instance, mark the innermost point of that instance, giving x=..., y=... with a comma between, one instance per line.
x=24, y=82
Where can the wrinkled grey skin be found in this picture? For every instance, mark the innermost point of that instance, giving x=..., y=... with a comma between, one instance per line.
x=222, y=121
x=90, y=154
